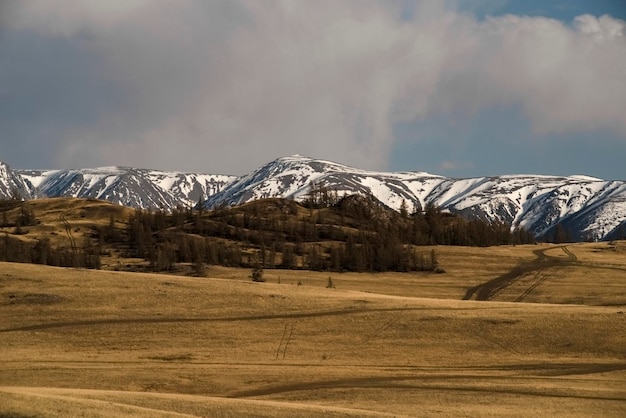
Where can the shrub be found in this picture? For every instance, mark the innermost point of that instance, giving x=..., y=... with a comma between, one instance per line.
x=330, y=284
x=257, y=274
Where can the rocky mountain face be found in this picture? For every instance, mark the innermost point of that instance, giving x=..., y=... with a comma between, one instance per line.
x=585, y=208
x=139, y=188
x=12, y=183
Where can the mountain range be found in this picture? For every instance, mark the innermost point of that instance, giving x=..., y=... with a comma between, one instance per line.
x=586, y=208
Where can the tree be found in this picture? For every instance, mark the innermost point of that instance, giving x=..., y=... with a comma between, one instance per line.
x=199, y=269
x=315, y=260
x=198, y=252
x=109, y=233
x=257, y=274
x=330, y=284
x=434, y=262
x=90, y=256
x=289, y=258
x=272, y=256
x=27, y=216
x=15, y=195
x=433, y=217
x=561, y=234
x=404, y=213
x=336, y=258
x=163, y=257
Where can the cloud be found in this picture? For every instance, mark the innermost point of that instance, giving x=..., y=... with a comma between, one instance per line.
x=226, y=86
x=69, y=17
x=566, y=79
x=455, y=165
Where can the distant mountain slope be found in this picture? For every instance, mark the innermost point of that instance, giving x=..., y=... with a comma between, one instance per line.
x=291, y=177
x=586, y=207
x=10, y=181
x=590, y=208
x=139, y=188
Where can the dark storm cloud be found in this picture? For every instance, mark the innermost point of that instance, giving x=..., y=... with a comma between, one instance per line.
x=48, y=85
x=226, y=86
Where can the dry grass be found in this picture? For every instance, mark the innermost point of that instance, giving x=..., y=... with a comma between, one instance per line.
x=82, y=215
x=97, y=343
x=593, y=279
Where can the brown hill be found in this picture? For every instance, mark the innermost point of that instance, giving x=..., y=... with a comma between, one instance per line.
x=349, y=234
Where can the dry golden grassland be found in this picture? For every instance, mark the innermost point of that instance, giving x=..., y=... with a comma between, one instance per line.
x=62, y=218
x=115, y=344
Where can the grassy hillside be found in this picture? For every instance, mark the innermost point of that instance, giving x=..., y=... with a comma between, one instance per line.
x=351, y=234
x=460, y=341
x=506, y=272
x=97, y=343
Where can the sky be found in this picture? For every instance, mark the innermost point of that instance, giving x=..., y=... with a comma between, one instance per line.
x=460, y=88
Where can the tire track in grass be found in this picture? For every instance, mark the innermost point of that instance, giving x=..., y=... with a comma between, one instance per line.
x=295, y=315
x=417, y=382
x=539, y=279
x=68, y=231
x=572, y=257
x=536, y=370
x=488, y=290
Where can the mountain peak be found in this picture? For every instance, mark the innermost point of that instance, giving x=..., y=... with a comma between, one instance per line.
x=11, y=182
x=537, y=203
x=589, y=208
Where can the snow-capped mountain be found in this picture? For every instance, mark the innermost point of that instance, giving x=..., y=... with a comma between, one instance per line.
x=12, y=182
x=587, y=207
x=139, y=188
x=292, y=177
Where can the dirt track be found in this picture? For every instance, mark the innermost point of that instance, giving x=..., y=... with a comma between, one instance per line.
x=40, y=327
x=68, y=231
x=418, y=383
x=488, y=290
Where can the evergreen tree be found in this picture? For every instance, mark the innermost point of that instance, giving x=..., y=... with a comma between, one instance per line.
x=272, y=256
x=289, y=258
x=434, y=262
x=257, y=273
x=404, y=213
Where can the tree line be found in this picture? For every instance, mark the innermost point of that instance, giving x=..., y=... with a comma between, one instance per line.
x=40, y=251
x=325, y=233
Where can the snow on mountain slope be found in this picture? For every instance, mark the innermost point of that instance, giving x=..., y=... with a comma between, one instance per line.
x=36, y=177
x=603, y=217
x=189, y=188
x=589, y=208
x=140, y=188
x=592, y=208
x=124, y=186
x=291, y=177
x=11, y=181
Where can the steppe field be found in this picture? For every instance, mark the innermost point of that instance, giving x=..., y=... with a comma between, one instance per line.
x=505, y=331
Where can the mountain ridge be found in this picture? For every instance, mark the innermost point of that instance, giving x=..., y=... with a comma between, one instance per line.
x=127, y=186
x=586, y=207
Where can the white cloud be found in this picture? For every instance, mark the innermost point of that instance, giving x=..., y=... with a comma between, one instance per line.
x=566, y=79
x=455, y=165
x=69, y=17
x=211, y=83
